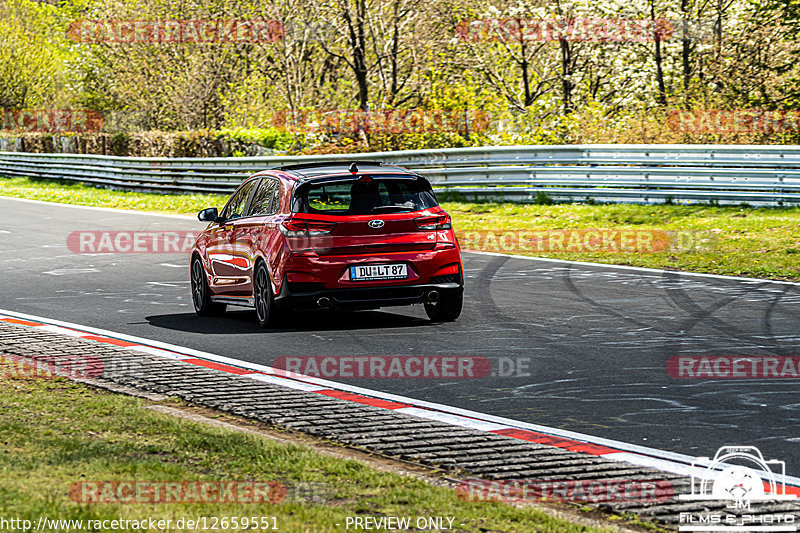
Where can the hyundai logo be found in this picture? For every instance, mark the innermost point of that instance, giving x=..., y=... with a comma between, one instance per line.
x=375, y=224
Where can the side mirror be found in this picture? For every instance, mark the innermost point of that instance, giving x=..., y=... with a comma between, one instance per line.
x=208, y=215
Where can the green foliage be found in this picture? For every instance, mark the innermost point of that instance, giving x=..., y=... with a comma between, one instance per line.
x=237, y=90
x=542, y=198
x=269, y=138
x=33, y=51
x=119, y=144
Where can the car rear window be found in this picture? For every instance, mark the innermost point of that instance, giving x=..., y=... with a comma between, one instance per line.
x=364, y=195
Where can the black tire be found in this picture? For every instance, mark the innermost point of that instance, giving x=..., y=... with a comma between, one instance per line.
x=262, y=294
x=446, y=309
x=201, y=295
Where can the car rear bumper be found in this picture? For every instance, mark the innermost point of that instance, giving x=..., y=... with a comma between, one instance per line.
x=309, y=297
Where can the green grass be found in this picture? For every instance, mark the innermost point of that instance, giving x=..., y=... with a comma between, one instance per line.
x=56, y=433
x=79, y=194
x=739, y=241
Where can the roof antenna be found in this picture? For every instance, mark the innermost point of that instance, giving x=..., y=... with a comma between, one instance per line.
x=353, y=168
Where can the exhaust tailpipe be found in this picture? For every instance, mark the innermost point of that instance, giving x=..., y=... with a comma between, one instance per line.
x=433, y=296
x=324, y=302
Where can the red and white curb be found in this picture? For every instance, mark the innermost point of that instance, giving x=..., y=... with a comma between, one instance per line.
x=665, y=461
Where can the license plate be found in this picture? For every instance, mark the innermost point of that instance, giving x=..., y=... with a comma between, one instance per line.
x=374, y=272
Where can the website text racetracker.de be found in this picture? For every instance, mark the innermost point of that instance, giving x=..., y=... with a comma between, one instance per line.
x=202, y=523
x=581, y=240
x=401, y=367
x=357, y=367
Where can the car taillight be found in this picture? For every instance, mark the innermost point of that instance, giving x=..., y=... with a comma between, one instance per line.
x=306, y=228
x=435, y=222
x=320, y=228
x=294, y=228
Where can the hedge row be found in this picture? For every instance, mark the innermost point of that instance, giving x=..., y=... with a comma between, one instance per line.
x=149, y=144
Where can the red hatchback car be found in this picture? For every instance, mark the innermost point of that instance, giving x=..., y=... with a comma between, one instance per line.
x=328, y=235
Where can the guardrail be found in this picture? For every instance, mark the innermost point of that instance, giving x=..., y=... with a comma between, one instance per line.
x=758, y=175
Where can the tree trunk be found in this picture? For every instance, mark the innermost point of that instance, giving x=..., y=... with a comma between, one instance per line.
x=566, y=75
x=357, y=40
x=662, y=91
x=686, y=51
x=360, y=54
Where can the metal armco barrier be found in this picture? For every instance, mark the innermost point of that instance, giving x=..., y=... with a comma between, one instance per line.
x=727, y=174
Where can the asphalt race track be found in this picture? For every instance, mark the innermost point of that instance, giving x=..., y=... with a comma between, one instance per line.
x=596, y=339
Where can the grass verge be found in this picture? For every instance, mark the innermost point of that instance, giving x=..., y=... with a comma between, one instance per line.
x=738, y=241
x=67, y=192
x=57, y=433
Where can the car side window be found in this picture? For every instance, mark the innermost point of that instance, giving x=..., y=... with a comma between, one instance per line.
x=276, y=197
x=263, y=202
x=235, y=208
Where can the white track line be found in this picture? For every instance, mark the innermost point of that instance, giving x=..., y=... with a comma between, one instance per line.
x=94, y=208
